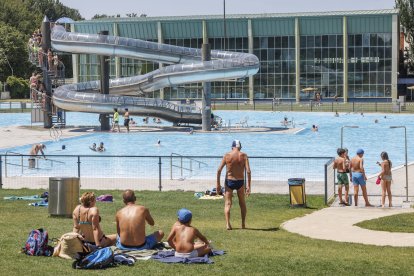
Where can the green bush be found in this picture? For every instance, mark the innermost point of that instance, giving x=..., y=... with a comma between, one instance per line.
x=18, y=87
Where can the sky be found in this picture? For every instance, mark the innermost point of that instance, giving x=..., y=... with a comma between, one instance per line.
x=88, y=8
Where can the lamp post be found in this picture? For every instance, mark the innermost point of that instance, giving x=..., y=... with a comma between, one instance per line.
x=342, y=133
x=406, y=161
x=224, y=25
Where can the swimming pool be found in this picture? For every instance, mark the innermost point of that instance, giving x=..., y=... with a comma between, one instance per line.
x=372, y=137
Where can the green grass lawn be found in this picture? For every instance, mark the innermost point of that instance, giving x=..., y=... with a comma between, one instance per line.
x=263, y=249
x=395, y=223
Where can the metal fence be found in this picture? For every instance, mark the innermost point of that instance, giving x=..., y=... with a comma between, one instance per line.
x=314, y=106
x=174, y=172
x=15, y=106
x=330, y=180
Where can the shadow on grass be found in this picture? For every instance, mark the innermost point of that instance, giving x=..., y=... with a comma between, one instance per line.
x=272, y=229
x=304, y=207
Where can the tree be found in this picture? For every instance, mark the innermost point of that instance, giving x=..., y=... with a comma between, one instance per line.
x=18, y=20
x=53, y=9
x=99, y=16
x=406, y=8
x=13, y=53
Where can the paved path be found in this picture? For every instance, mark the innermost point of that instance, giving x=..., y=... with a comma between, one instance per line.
x=14, y=136
x=338, y=224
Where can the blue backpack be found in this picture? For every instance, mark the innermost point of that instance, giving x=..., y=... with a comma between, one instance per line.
x=37, y=243
x=100, y=258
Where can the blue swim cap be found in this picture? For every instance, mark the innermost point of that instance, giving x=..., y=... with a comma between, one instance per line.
x=360, y=151
x=184, y=215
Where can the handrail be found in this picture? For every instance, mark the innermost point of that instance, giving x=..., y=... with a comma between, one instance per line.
x=55, y=133
x=37, y=158
x=181, y=167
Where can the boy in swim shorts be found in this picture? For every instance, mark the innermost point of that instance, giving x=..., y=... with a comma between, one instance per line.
x=358, y=177
x=182, y=237
x=342, y=176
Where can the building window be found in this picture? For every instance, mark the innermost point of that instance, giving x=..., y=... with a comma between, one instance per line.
x=369, y=65
x=321, y=66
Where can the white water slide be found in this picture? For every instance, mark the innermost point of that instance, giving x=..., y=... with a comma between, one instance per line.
x=183, y=65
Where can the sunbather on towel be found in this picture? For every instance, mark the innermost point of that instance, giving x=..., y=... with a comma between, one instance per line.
x=182, y=237
x=130, y=225
x=86, y=221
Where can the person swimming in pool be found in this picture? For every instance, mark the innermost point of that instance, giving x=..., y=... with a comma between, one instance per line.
x=101, y=147
x=237, y=163
x=93, y=147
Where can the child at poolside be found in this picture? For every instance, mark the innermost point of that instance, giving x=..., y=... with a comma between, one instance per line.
x=182, y=237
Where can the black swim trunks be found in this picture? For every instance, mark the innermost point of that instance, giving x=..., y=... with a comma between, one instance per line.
x=126, y=122
x=234, y=184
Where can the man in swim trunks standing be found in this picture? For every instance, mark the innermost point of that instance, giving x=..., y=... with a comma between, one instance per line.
x=126, y=119
x=342, y=176
x=130, y=225
x=358, y=177
x=236, y=163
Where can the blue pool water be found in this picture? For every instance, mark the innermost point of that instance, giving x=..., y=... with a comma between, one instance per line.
x=372, y=137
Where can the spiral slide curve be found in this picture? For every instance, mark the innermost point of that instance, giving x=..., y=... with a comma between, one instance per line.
x=183, y=65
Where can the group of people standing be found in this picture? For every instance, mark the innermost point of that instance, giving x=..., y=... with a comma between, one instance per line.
x=128, y=121
x=355, y=168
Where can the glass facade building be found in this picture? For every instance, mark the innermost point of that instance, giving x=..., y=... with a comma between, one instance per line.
x=339, y=55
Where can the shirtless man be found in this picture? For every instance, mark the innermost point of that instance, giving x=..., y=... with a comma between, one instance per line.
x=358, y=177
x=34, y=151
x=342, y=176
x=182, y=237
x=36, y=148
x=130, y=225
x=236, y=163
x=126, y=119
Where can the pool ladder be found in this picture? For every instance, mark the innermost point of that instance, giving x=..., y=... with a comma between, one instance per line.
x=186, y=163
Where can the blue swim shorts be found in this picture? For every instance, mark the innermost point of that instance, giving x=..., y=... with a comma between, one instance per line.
x=150, y=242
x=234, y=184
x=358, y=179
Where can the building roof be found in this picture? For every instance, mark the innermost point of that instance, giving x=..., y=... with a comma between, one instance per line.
x=243, y=16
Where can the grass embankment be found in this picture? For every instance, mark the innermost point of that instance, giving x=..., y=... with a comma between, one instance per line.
x=263, y=249
x=395, y=223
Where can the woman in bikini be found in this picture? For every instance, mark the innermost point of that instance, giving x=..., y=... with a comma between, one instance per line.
x=86, y=222
x=386, y=178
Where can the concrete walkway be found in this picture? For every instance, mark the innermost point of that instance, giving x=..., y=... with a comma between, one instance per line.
x=338, y=224
x=14, y=136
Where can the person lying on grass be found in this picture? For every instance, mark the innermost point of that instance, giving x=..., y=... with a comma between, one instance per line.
x=182, y=237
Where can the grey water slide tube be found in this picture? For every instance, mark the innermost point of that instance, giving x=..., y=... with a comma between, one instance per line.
x=185, y=66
